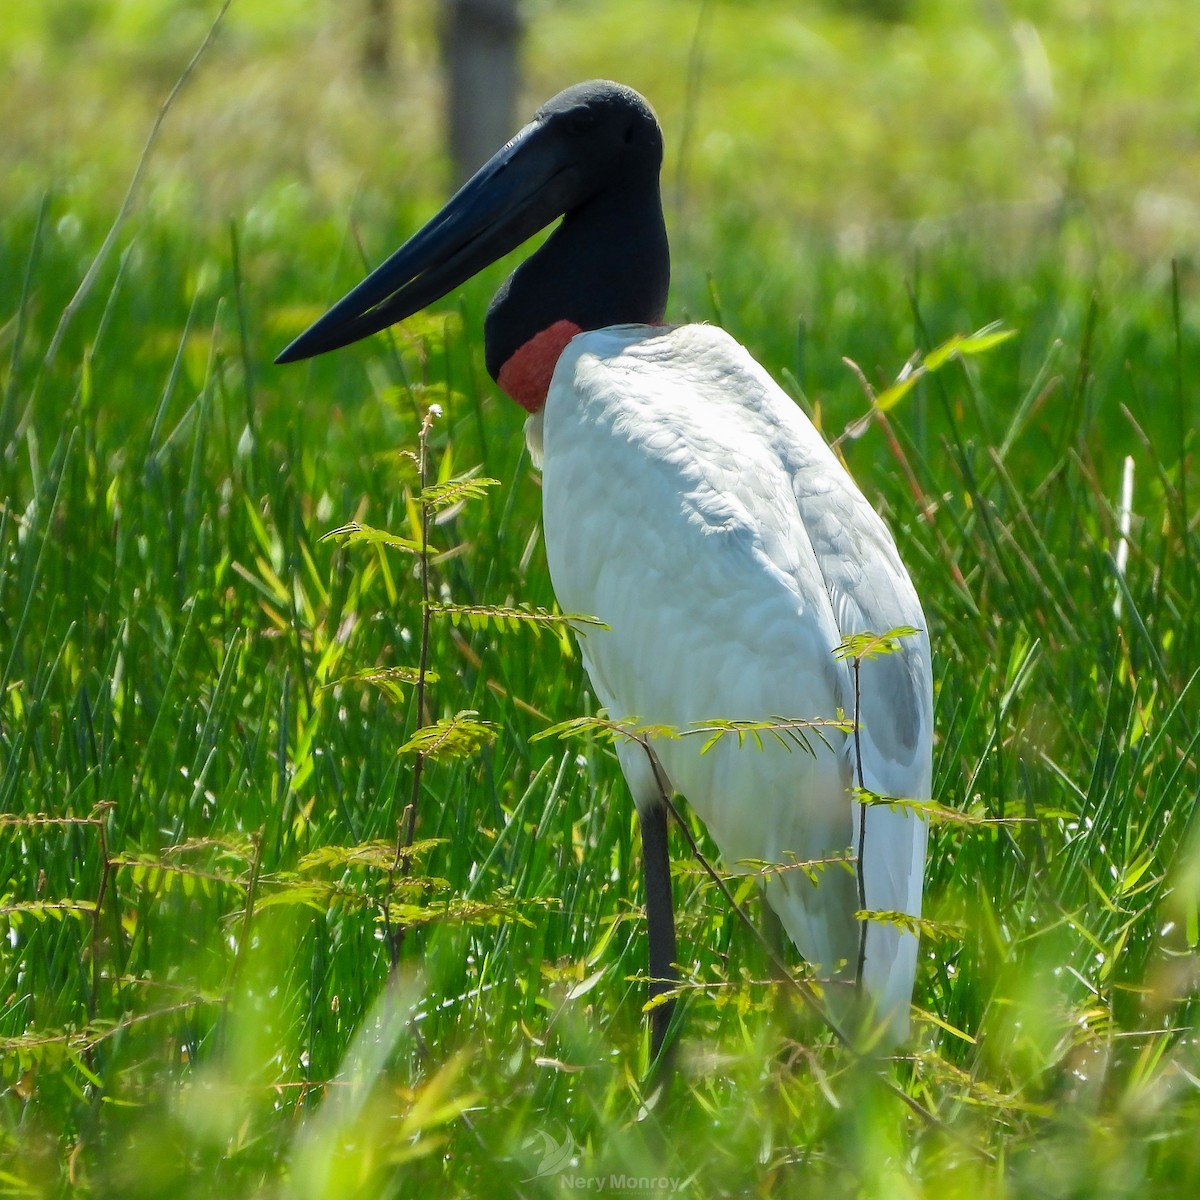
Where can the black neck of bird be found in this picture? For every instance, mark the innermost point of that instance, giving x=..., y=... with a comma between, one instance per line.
x=607, y=263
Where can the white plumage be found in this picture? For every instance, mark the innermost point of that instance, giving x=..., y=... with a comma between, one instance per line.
x=692, y=507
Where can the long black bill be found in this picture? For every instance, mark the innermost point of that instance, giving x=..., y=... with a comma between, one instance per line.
x=519, y=190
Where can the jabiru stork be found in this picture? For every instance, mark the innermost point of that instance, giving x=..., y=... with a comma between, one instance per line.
x=694, y=509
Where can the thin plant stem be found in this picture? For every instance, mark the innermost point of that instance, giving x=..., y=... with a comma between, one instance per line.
x=859, y=869
x=406, y=833
x=110, y=239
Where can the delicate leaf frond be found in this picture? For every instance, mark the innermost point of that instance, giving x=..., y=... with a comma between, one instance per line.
x=921, y=926
x=454, y=737
x=153, y=874
x=242, y=848
x=455, y=491
x=33, y=819
x=788, y=732
x=378, y=855
x=53, y=1047
x=44, y=910
x=457, y=910
x=355, y=533
x=391, y=681
x=488, y=616
x=322, y=895
x=938, y=814
x=867, y=645
x=315, y=894
x=812, y=868
x=605, y=730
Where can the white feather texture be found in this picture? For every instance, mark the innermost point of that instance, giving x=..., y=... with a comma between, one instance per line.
x=692, y=506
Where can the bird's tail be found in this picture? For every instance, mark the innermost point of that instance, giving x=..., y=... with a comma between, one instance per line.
x=819, y=920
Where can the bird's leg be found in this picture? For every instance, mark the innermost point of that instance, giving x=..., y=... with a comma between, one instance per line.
x=660, y=918
x=650, y=788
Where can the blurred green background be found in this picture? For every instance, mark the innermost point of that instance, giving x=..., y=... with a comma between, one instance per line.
x=890, y=139
x=815, y=115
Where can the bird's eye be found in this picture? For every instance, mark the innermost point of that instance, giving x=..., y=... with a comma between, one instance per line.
x=630, y=130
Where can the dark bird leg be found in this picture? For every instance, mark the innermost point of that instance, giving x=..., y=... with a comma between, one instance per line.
x=660, y=918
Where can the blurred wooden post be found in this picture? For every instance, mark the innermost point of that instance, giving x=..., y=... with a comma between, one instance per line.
x=481, y=41
x=377, y=39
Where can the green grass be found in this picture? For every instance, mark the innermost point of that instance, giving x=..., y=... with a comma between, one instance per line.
x=198, y=800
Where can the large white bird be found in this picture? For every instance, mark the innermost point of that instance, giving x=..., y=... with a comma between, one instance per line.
x=693, y=508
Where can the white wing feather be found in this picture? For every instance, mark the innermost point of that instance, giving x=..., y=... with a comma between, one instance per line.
x=692, y=507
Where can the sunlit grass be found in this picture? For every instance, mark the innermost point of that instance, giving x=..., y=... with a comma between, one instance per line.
x=200, y=793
